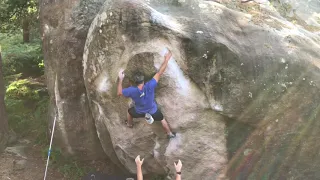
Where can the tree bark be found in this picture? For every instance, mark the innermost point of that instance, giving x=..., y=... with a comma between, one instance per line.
x=3, y=116
x=26, y=30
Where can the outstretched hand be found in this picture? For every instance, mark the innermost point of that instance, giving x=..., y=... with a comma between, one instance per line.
x=121, y=74
x=138, y=161
x=178, y=166
x=168, y=55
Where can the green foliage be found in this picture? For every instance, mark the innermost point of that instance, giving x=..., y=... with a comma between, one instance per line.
x=18, y=115
x=68, y=166
x=19, y=57
x=27, y=109
x=55, y=156
x=41, y=124
x=11, y=78
x=21, y=90
x=73, y=171
x=13, y=12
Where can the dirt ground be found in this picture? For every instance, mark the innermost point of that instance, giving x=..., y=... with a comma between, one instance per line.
x=25, y=161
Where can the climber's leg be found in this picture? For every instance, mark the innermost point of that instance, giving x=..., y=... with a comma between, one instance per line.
x=165, y=126
x=158, y=116
x=132, y=114
x=129, y=121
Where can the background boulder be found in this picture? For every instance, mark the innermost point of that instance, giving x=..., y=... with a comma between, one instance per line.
x=64, y=29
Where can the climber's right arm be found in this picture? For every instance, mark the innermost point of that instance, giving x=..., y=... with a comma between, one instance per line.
x=121, y=77
x=163, y=66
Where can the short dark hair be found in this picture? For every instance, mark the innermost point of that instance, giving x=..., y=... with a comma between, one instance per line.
x=138, y=77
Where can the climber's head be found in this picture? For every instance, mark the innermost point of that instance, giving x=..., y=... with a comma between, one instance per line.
x=138, y=78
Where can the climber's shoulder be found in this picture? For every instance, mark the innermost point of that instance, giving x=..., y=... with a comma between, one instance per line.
x=127, y=92
x=152, y=83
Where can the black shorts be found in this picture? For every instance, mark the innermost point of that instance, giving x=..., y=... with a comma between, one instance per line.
x=157, y=116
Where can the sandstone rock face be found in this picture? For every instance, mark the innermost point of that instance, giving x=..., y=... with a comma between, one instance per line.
x=254, y=66
x=64, y=27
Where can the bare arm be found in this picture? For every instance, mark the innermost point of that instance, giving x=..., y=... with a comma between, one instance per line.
x=119, y=87
x=139, y=169
x=121, y=76
x=178, y=176
x=178, y=167
x=139, y=173
x=163, y=66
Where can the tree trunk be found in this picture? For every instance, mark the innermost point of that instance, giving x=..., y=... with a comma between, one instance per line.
x=3, y=115
x=26, y=30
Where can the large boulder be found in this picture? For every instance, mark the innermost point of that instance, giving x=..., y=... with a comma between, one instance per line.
x=64, y=29
x=242, y=91
x=3, y=116
x=123, y=36
x=226, y=62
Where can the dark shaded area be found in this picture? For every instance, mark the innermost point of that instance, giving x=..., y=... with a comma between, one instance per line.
x=236, y=133
x=143, y=63
x=101, y=176
x=3, y=115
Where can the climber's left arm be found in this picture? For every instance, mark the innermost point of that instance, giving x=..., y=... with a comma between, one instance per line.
x=139, y=167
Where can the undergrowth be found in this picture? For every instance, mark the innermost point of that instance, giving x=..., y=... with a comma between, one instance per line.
x=68, y=166
x=27, y=107
x=27, y=100
x=18, y=57
x=26, y=103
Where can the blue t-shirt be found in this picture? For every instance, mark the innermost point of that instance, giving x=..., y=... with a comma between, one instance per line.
x=143, y=99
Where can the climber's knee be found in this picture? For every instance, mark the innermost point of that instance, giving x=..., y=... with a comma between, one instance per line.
x=134, y=113
x=158, y=116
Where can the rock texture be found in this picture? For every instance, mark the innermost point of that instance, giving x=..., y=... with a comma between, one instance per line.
x=307, y=11
x=4, y=133
x=64, y=28
x=243, y=62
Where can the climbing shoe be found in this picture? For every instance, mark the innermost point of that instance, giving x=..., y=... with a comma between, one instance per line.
x=129, y=125
x=149, y=118
x=171, y=135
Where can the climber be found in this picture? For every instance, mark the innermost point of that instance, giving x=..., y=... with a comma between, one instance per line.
x=139, y=163
x=143, y=96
